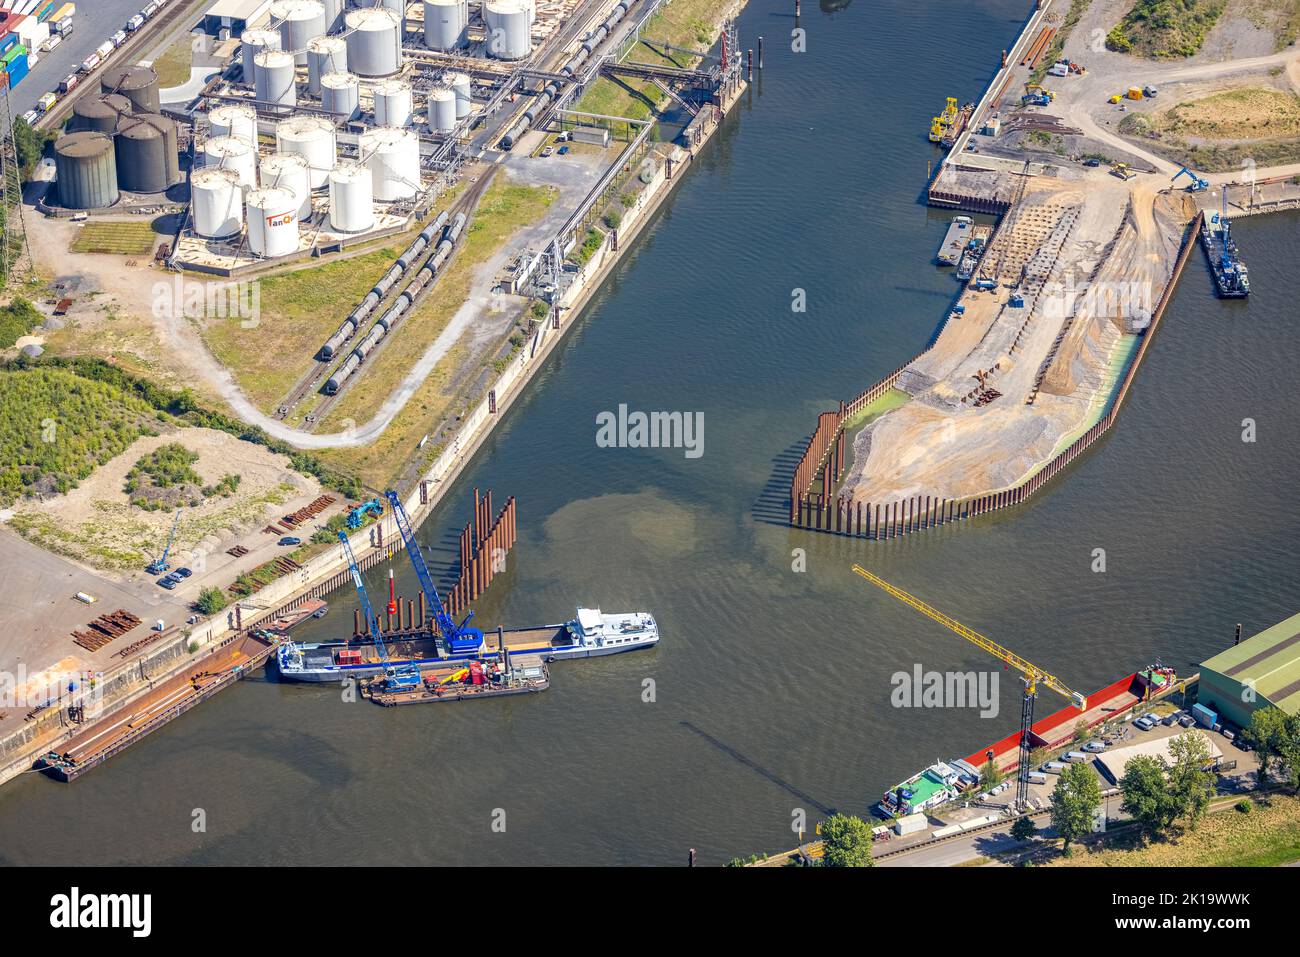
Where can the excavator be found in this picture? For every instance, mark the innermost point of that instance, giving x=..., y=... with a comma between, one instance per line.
x=1197, y=184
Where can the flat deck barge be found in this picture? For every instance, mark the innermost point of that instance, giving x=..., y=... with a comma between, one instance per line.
x=105, y=737
x=955, y=241
x=527, y=674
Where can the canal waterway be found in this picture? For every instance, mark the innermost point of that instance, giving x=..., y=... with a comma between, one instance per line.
x=770, y=691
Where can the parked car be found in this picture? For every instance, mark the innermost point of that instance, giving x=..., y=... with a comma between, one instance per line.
x=182, y=573
x=562, y=150
x=168, y=582
x=290, y=540
x=1092, y=161
x=547, y=152
x=1144, y=722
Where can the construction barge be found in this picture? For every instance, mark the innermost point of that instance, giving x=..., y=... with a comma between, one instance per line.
x=591, y=634
x=475, y=681
x=100, y=740
x=1231, y=278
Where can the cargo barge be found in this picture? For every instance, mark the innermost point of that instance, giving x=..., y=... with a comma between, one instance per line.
x=944, y=781
x=476, y=680
x=591, y=634
x=1231, y=278
x=955, y=241
x=108, y=736
x=311, y=608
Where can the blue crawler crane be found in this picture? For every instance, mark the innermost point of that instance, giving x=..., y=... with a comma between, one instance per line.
x=160, y=564
x=458, y=638
x=398, y=677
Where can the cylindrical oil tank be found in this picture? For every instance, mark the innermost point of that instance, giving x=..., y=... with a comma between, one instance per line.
x=139, y=84
x=290, y=171
x=217, y=201
x=272, y=221
x=445, y=23
x=233, y=119
x=508, y=23
x=233, y=152
x=397, y=6
x=352, y=208
x=392, y=103
x=252, y=42
x=340, y=94
x=99, y=113
x=374, y=41
x=301, y=21
x=333, y=14
x=313, y=138
x=393, y=156
x=273, y=79
x=325, y=55
x=146, y=153
x=460, y=85
x=86, y=167
x=442, y=108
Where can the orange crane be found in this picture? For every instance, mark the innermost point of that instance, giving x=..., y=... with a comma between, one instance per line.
x=1030, y=674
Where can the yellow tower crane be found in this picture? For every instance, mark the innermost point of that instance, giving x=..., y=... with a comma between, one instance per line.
x=1031, y=674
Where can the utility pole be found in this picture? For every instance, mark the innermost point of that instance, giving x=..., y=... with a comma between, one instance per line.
x=13, y=235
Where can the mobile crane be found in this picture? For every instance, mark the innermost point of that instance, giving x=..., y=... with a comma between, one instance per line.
x=160, y=564
x=1031, y=674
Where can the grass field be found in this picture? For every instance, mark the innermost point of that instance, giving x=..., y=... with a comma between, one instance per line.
x=1165, y=29
x=56, y=427
x=299, y=311
x=1267, y=836
x=122, y=239
x=504, y=209
x=173, y=66
x=1216, y=133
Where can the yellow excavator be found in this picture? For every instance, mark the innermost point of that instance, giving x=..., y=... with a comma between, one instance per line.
x=1031, y=674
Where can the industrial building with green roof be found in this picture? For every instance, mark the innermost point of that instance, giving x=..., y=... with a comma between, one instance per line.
x=1261, y=671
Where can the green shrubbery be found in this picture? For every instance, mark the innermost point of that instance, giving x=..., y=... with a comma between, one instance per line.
x=16, y=320
x=1165, y=29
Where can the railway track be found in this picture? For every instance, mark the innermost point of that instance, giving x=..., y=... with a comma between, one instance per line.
x=319, y=374
x=127, y=54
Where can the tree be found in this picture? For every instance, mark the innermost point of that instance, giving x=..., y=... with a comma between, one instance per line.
x=1146, y=794
x=1023, y=829
x=1275, y=737
x=29, y=144
x=846, y=842
x=1075, y=800
x=1191, y=783
x=991, y=775
x=211, y=601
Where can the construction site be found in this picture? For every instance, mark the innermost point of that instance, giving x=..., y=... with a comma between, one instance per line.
x=442, y=158
x=1034, y=355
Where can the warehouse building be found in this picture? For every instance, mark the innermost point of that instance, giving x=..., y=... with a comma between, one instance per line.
x=1261, y=671
x=229, y=18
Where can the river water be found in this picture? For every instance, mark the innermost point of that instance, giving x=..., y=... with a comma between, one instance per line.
x=771, y=686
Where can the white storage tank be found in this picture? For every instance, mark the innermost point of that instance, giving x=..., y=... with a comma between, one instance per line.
x=252, y=42
x=374, y=41
x=234, y=119
x=445, y=23
x=442, y=108
x=217, y=200
x=325, y=55
x=273, y=78
x=311, y=137
x=460, y=85
x=508, y=23
x=340, y=94
x=300, y=22
x=290, y=171
x=392, y=103
x=333, y=14
x=397, y=6
x=352, y=208
x=272, y=222
x=233, y=152
x=393, y=156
